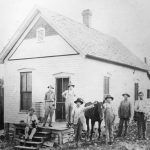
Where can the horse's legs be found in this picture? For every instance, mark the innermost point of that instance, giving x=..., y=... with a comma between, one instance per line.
x=87, y=123
x=99, y=129
x=92, y=126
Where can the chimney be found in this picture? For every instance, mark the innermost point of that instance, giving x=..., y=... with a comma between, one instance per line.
x=87, y=17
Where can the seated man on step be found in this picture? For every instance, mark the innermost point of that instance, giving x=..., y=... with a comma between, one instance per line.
x=31, y=124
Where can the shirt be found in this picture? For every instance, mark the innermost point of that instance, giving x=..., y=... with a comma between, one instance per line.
x=50, y=96
x=139, y=106
x=78, y=113
x=109, y=114
x=30, y=119
x=124, y=110
x=69, y=95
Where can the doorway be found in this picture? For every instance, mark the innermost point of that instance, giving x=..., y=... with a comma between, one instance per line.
x=61, y=86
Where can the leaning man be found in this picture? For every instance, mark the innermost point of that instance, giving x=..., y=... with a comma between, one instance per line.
x=49, y=105
x=140, y=111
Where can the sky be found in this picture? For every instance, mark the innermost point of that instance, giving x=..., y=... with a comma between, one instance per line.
x=127, y=20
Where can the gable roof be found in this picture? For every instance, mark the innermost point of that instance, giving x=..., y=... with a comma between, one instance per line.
x=90, y=42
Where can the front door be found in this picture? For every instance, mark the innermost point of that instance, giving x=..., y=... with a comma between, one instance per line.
x=61, y=86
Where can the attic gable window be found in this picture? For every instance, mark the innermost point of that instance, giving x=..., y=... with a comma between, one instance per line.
x=40, y=34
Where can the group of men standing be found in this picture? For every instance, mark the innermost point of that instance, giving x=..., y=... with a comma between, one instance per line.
x=124, y=112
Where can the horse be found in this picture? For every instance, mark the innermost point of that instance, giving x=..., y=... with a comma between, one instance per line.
x=95, y=114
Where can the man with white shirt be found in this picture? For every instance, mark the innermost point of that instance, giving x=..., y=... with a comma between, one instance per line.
x=140, y=110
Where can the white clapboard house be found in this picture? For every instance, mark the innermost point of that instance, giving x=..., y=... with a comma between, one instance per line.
x=49, y=48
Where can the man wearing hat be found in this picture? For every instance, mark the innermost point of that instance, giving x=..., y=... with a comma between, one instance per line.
x=124, y=113
x=49, y=105
x=109, y=117
x=78, y=118
x=69, y=96
x=31, y=124
x=139, y=108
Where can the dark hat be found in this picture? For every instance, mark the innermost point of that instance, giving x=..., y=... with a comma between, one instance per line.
x=70, y=84
x=125, y=94
x=50, y=87
x=140, y=93
x=32, y=109
x=108, y=96
x=79, y=100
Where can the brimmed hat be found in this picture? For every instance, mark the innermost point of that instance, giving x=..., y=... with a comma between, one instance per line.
x=50, y=87
x=108, y=96
x=32, y=109
x=125, y=94
x=140, y=93
x=79, y=100
x=70, y=84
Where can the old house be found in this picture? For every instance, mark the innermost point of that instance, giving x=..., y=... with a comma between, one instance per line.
x=49, y=48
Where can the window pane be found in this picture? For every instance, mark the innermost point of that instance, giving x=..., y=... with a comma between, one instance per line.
x=29, y=81
x=26, y=100
x=136, y=90
x=23, y=82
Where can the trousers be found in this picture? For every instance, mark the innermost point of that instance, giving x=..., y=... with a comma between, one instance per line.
x=141, y=124
x=31, y=131
x=78, y=130
x=49, y=111
x=68, y=111
x=121, y=123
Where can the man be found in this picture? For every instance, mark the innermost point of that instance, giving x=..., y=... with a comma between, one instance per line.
x=31, y=124
x=69, y=96
x=109, y=117
x=124, y=113
x=79, y=118
x=49, y=105
x=140, y=112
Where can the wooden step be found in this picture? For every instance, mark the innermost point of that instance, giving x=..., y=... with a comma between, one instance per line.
x=25, y=147
x=44, y=133
x=39, y=138
x=31, y=142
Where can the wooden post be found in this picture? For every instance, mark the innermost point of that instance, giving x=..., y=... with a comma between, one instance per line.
x=6, y=128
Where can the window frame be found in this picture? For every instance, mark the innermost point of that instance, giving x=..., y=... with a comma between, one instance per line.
x=105, y=84
x=21, y=92
x=38, y=30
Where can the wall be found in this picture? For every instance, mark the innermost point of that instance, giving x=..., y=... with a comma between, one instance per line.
x=87, y=75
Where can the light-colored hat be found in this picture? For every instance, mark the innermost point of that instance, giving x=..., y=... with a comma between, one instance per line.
x=70, y=84
x=50, y=87
x=125, y=94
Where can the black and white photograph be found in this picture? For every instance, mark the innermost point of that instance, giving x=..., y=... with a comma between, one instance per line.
x=75, y=75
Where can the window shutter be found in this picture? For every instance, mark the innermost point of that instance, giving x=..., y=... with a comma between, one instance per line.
x=136, y=91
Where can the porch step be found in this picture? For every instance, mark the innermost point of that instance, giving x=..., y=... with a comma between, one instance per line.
x=25, y=147
x=32, y=143
x=39, y=138
x=43, y=134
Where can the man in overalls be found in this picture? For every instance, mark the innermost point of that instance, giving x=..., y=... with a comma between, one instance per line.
x=69, y=96
x=49, y=105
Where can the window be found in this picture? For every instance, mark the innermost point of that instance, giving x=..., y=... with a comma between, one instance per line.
x=148, y=93
x=136, y=91
x=40, y=34
x=25, y=90
x=106, y=85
